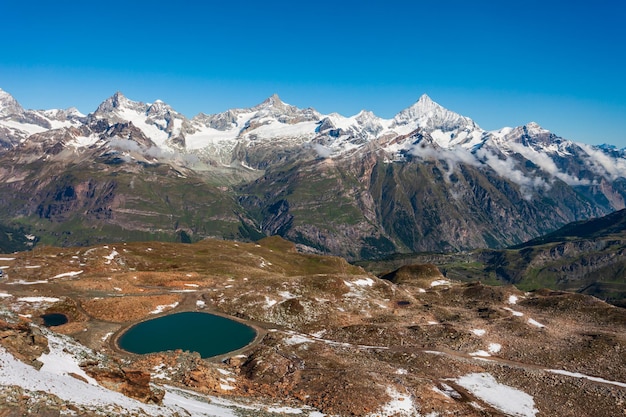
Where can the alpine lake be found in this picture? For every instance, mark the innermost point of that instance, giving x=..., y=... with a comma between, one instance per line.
x=208, y=334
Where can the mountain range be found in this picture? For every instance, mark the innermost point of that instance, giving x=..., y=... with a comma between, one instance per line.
x=361, y=187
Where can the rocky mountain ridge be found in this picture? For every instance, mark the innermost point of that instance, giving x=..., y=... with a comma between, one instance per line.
x=359, y=187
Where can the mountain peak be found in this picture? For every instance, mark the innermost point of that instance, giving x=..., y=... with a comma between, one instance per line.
x=159, y=107
x=534, y=128
x=8, y=104
x=428, y=114
x=116, y=101
x=273, y=101
x=425, y=99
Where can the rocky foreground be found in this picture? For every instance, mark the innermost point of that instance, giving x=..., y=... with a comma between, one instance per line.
x=333, y=339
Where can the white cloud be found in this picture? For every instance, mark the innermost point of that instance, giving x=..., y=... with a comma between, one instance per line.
x=604, y=164
x=322, y=151
x=546, y=164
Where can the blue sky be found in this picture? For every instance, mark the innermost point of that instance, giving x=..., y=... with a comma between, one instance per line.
x=561, y=64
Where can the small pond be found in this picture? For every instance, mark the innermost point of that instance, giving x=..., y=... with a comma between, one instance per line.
x=54, y=319
x=207, y=334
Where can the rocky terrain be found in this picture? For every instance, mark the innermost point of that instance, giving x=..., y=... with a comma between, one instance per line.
x=360, y=187
x=332, y=339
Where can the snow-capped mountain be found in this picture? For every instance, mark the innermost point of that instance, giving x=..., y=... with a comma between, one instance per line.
x=17, y=124
x=279, y=157
x=220, y=137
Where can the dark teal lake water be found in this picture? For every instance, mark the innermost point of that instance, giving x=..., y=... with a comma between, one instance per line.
x=54, y=319
x=207, y=334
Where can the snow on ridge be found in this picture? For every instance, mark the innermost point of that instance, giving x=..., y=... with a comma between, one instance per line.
x=583, y=376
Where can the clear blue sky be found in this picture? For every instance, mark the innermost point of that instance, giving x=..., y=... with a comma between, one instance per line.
x=502, y=63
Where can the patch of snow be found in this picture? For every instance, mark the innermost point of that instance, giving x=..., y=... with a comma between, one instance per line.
x=190, y=403
x=479, y=332
x=22, y=282
x=480, y=353
x=286, y=295
x=515, y=313
x=297, y=340
x=535, y=323
x=226, y=387
x=224, y=371
x=363, y=282
x=494, y=347
x=39, y=299
x=5, y=295
x=161, y=308
x=439, y=282
x=32, y=266
x=400, y=405
x=67, y=274
x=7, y=259
x=111, y=256
x=269, y=302
x=191, y=285
x=284, y=410
x=200, y=304
x=509, y=400
x=84, y=141
x=106, y=336
x=401, y=371
x=513, y=299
